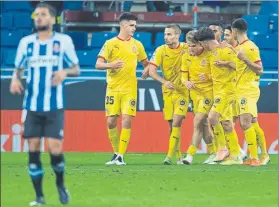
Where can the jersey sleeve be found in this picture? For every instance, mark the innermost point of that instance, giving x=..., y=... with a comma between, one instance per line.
x=253, y=54
x=21, y=55
x=70, y=55
x=156, y=58
x=184, y=68
x=141, y=54
x=104, y=52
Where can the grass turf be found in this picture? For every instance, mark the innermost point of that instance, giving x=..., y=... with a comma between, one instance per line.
x=144, y=182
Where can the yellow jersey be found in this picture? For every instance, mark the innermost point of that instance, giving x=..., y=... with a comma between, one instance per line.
x=224, y=78
x=130, y=52
x=196, y=65
x=247, y=80
x=169, y=60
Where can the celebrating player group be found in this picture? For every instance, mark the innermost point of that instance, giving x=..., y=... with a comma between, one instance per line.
x=220, y=78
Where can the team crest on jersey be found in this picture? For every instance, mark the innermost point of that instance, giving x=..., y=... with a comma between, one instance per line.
x=243, y=101
x=56, y=47
x=203, y=62
x=217, y=100
x=133, y=102
x=134, y=49
x=182, y=102
x=207, y=101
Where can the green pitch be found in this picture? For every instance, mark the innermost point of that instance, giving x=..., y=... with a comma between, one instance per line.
x=144, y=182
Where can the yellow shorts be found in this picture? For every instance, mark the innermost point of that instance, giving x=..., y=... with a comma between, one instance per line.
x=118, y=102
x=224, y=107
x=175, y=104
x=235, y=109
x=201, y=102
x=247, y=105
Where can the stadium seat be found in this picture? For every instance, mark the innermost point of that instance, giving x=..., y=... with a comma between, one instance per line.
x=10, y=38
x=269, y=58
x=6, y=21
x=159, y=39
x=273, y=20
x=17, y=6
x=99, y=38
x=269, y=7
x=259, y=23
x=80, y=39
x=269, y=41
x=87, y=58
x=23, y=21
x=9, y=57
x=145, y=38
x=73, y=5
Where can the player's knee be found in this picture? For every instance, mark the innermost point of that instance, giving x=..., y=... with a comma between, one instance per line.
x=126, y=122
x=227, y=126
x=111, y=122
x=245, y=122
x=213, y=119
x=198, y=123
x=55, y=146
x=177, y=123
x=34, y=145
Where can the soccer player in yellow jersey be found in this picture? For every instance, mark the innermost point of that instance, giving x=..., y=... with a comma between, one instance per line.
x=249, y=68
x=195, y=64
x=217, y=28
x=224, y=82
x=119, y=56
x=175, y=94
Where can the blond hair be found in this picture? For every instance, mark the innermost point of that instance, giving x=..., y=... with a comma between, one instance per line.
x=190, y=37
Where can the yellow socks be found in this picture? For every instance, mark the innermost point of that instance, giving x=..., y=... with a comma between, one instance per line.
x=174, y=139
x=114, y=139
x=233, y=143
x=219, y=135
x=124, y=140
x=211, y=148
x=250, y=137
x=260, y=137
x=177, y=151
x=192, y=150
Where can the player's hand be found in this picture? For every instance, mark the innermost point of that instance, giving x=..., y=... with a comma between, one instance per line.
x=16, y=87
x=145, y=73
x=169, y=85
x=202, y=77
x=189, y=85
x=117, y=64
x=220, y=63
x=58, y=77
x=241, y=55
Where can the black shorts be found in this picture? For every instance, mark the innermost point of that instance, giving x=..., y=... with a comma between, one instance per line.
x=48, y=124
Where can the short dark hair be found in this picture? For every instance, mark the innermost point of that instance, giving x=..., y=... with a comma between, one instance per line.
x=51, y=9
x=175, y=27
x=240, y=24
x=127, y=16
x=229, y=28
x=204, y=34
x=217, y=23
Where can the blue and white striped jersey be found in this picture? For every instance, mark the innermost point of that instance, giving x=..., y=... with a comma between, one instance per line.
x=41, y=59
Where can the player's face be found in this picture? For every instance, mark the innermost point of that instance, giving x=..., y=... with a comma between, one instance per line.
x=234, y=33
x=129, y=27
x=217, y=32
x=43, y=19
x=194, y=48
x=205, y=45
x=228, y=36
x=171, y=37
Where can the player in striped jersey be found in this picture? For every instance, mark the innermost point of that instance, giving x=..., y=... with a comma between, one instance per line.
x=42, y=54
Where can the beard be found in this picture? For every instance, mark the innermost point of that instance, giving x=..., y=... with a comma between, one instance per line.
x=42, y=28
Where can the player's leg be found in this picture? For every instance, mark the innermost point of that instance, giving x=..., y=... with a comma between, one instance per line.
x=261, y=141
x=178, y=153
x=232, y=142
x=199, y=120
x=32, y=132
x=208, y=138
x=214, y=120
x=54, y=132
x=242, y=154
x=112, y=106
x=246, y=116
x=176, y=133
x=128, y=108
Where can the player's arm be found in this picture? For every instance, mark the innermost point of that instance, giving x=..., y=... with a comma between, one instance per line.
x=223, y=63
x=185, y=73
x=142, y=57
x=252, y=60
x=102, y=60
x=20, y=62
